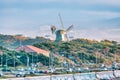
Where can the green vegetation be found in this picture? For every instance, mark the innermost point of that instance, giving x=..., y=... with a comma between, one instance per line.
x=78, y=51
x=13, y=58
x=84, y=50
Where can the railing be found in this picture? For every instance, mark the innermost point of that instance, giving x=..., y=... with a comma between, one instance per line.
x=78, y=76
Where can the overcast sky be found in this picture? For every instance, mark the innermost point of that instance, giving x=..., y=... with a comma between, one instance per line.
x=92, y=19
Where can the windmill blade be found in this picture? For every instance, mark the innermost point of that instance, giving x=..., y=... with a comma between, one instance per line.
x=69, y=28
x=61, y=21
x=53, y=28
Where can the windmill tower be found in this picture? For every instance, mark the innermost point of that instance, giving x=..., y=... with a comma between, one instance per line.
x=61, y=35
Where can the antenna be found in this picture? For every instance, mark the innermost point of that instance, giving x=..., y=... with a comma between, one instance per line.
x=61, y=20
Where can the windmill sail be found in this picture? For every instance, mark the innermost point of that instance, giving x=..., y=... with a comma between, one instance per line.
x=69, y=28
x=53, y=28
x=61, y=21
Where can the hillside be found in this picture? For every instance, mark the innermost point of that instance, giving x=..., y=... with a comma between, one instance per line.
x=77, y=51
x=84, y=51
x=12, y=58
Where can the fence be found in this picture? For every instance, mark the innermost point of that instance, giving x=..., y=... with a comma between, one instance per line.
x=79, y=76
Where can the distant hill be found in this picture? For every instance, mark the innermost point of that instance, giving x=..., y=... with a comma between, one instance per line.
x=13, y=41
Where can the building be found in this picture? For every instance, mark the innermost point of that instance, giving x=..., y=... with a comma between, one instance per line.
x=33, y=49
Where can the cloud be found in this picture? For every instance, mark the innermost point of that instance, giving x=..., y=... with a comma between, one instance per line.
x=101, y=13
x=81, y=18
x=84, y=2
x=109, y=2
x=28, y=16
x=96, y=34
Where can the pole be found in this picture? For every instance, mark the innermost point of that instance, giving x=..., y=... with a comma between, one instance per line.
x=107, y=57
x=1, y=60
x=50, y=76
x=1, y=53
x=32, y=59
x=51, y=60
x=37, y=59
x=6, y=62
x=14, y=62
x=115, y=56
x=27, y=61
x=96, y=58
x=20, y=43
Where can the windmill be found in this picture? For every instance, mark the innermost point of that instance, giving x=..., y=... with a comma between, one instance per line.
x=61, y=35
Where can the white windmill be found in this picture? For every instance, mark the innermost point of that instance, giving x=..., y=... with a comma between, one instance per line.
x=61, y=35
